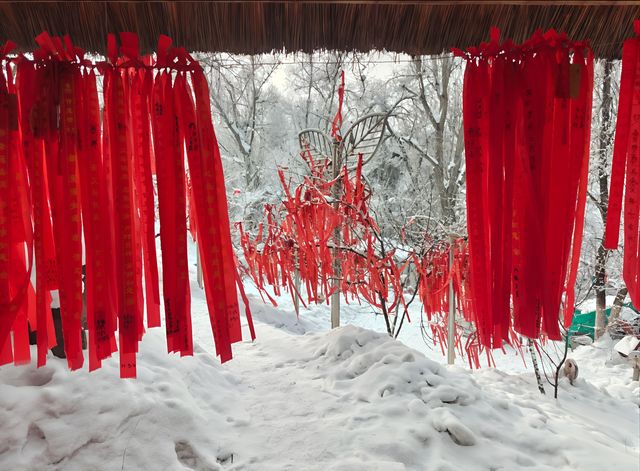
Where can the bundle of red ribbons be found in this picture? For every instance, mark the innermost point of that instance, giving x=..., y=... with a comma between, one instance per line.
x=300, y=232
x=436, y=272
x=626, y=161
x=69, y=173
x=527, y=119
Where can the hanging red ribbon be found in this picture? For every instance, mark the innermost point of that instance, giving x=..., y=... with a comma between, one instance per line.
x=32, y=130
x=527, y=121
x=626, y=161
x=68, y=175
x=166, y=144
x=213, y=223
x=337, y=120
x=67, y=223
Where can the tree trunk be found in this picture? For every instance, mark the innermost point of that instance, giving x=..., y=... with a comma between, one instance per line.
x=559, y=367
x=601, y=296
x=604, y=145
x=445, y=176
x=617, y=304
x=306, y=114
x=251, y=174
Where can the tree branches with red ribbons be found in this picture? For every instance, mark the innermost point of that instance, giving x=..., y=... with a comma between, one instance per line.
x=527, y=118
x=301, y=232
x=437, y=270
x=625, y=171
x=68, y=175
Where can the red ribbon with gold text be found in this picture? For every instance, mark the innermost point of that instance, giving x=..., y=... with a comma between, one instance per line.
x=626, y=162
x=68, y=176
x=527, y=123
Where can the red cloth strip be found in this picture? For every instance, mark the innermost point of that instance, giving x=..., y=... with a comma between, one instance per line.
x=630, y=59
x=125, y=231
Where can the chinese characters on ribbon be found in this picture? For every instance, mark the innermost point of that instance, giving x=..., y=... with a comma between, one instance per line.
x=71, y=174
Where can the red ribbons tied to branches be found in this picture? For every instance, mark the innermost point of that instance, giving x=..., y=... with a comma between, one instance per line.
x=527, y=119
x=71, y=178
x=301, y=233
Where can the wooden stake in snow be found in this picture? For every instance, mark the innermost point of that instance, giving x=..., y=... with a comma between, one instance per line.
x=199, y=267
x=335, y=297
x=296, y=281
x=536, y=369
x=451, y=333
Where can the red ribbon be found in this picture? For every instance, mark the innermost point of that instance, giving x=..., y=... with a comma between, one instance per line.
x=527, y=151
x=213, y=235
x=128, y=325
x=172, y=215
x=630, y=51
x=57, y=164
x=337, y=120
x=626, y=161
x=67, y=222
x=32, y=145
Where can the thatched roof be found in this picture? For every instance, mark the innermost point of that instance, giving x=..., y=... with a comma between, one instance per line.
x=414, y=27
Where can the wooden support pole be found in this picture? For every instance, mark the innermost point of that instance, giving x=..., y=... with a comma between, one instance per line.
x=199, y=267
x=296, y=282
x=335, y=297
x=451, y=331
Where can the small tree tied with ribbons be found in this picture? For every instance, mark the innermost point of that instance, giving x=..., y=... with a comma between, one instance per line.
x=323, y=240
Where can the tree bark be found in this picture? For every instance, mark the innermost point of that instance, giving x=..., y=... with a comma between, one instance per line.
x=447, y=190
x=559, y=367
x=601, y=296
x=536, y=369
x=617, y=305
x=601, y=254
x=309, y=88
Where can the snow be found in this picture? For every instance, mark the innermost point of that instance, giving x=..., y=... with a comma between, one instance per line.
x=302, y=397
x=608, y=371
x=54, y=419
x=626, y=345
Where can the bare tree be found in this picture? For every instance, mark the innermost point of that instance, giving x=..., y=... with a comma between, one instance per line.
x=602, y=201
x=601, y=198
x=430, y=83
x=239, y=92
x=315, y=85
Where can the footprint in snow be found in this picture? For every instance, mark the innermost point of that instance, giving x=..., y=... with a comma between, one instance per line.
x=191, y=459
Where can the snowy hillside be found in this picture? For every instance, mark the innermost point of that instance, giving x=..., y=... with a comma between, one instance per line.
x=302, y=398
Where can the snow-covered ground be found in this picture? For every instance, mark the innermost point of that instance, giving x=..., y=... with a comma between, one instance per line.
x=302, y=397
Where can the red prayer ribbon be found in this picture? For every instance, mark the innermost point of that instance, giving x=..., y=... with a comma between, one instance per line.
x=625, y=171
x=69, y=175
x=527, y=115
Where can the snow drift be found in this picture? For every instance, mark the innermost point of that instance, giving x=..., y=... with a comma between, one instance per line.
x=349, y=399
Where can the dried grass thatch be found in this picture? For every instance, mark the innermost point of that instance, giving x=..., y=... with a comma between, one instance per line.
x=413, y=27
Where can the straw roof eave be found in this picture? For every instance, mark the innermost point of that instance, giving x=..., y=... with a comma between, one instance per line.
x=412, y=27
